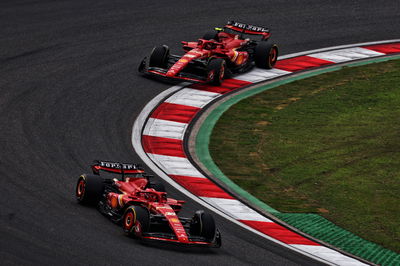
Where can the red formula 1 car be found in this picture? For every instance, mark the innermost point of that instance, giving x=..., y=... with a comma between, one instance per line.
x=142, y=206
x=220, y=53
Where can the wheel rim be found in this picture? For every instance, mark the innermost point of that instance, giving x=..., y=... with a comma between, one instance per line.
x=272, y=56
x=138, y=229
x=222, y=72
x=80, y=190
x=128, y=222
x=211, y=75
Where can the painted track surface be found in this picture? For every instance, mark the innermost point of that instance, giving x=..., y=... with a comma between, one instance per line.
x=166, y=131
x=69, y=94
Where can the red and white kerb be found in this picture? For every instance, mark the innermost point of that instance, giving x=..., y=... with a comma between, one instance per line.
x=164, y=132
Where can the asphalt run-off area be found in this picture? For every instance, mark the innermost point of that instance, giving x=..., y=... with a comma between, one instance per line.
x=71, y=93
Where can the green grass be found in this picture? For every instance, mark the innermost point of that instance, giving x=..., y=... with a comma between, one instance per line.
x=328, y=144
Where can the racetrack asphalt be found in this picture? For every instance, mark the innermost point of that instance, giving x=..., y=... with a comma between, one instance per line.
x=70, y=93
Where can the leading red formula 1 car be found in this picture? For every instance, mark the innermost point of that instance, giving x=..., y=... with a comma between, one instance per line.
x=229, y=50
x=142, y=206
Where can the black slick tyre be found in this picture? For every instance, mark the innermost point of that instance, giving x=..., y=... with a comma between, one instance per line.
x=159, y=56
x=216, y=71
x=265, y=55
x=203, y=225
x=136, y=221
x=89, y=189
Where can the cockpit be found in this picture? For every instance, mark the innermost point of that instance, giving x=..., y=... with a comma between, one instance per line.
x=155, y=196
x=208, y=44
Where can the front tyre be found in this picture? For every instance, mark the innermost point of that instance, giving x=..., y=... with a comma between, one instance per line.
x=203, y=225
x=159, y=56
x=266, y=55
x=216, y=71
x=136, y=221
x=89, y=189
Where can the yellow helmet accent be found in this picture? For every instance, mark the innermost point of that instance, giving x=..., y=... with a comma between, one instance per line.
x=218, y=29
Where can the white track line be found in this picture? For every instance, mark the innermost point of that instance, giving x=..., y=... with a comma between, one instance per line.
x=137, y=146
x=336, y=48
x=191, y=97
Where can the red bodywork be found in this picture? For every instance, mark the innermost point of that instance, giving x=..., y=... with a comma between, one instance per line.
x=134, y=192
x=142, y=205
x=227, y=46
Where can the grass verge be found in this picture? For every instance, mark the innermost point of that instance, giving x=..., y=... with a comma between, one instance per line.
x=327, y=144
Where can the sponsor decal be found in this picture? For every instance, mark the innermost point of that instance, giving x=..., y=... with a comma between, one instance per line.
x=120, y=201
x=125, y=166
x=235, y=55
x=248, y=27
x=240, y=58
x=169, y=213
x=183, y=60
x=174, y=220
x=114, y=202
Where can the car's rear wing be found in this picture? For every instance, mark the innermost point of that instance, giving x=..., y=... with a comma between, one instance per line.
x=248, y=29
x=117, y=168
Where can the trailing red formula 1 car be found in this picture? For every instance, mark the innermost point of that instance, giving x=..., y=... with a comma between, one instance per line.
x=229, y=50
x=142, y=206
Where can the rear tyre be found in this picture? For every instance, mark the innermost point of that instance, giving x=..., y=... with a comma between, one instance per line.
x=157, y=186
x=136, y=221
x=266, y=55
x=211, y=35
x=216, y=71
x=89, y=189
x=203, y=224
x=159, y=57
